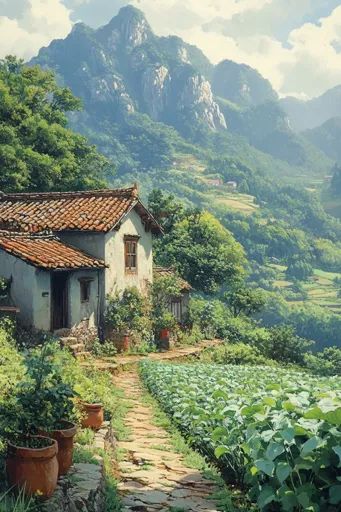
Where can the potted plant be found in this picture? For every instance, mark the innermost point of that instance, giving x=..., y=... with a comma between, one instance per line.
x=41, y=404
x=32, y=465
x=91, y=407
x=122, y=316
x=164, y=323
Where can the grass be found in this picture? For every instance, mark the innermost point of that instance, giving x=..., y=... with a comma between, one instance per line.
x=229, y=500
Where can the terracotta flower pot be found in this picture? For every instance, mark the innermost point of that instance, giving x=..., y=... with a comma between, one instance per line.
x=164, y=334
x=64, y=438
x=93, y=415
x=35, y=470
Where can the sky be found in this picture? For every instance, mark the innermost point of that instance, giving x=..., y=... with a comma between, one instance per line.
x=296, y=44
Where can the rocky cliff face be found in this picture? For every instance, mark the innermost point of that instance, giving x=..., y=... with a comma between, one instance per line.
x=241, y=84
x=123, y=67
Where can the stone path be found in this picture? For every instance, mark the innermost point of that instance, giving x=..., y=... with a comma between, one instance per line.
x=153, y=477
x=123, y=362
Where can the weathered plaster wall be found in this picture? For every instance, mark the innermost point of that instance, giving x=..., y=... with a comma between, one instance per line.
x=115, y=276
x=91, y=243
x=85, y=312
x=30, y=290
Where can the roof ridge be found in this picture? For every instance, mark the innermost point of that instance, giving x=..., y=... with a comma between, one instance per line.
x=107, y=192
x=47, y=235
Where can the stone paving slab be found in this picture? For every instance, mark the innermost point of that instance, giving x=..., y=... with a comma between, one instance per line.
x=153, y=479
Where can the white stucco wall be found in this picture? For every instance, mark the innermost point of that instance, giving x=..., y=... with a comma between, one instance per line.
x=116, y=277
x=91, y=243
x=87, y=311
x=30, y=290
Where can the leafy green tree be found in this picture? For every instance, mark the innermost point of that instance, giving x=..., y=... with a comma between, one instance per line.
x=165, y=209
x=243, y=300
x=37, y=150
x=203, y=251
x=335, y=185
x=298, y=269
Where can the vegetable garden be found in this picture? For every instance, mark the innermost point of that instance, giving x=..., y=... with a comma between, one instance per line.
x=276, y=433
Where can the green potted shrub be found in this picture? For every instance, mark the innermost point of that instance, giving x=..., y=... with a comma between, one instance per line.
x=41, y=404
x=91, y=406
x=122, y=316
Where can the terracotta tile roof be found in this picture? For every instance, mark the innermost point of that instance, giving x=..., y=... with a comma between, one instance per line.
x=46, y=252
x=99, y=210
x=170, y=272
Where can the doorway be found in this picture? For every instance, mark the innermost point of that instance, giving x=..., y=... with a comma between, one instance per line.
x=59, y=285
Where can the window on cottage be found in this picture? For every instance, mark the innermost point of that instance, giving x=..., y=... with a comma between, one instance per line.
x=176, y=309
x=130, y=250
x=85, y=286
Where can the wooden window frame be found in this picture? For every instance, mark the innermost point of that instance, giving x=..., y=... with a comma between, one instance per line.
x=85, y=285
x=130, y=239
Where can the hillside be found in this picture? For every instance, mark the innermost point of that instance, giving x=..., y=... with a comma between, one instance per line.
x=327, y=138
x=304, y=115
x=142, y=92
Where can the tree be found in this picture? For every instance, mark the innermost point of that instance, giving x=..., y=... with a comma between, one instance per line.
x=166, y=210
x=203, y=251
x=37, y=150
x=243, y=300
x=298, y=269
x=335, y=185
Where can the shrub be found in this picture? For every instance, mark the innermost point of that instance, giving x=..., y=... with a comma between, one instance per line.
x=124, y=310
x=284, y=346
x=327, y=362
x=238, y=353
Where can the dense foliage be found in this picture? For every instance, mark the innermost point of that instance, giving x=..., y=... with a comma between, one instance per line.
x=37, y=150
x=277, y=432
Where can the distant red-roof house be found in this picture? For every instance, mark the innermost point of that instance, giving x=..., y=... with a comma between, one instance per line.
x=65, y=252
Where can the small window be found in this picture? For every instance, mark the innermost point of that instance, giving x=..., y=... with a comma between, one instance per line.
x=85, y=290
x=130, y=250
x=176, y=309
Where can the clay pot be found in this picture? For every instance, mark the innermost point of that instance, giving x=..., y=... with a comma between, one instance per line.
x=93, y=416
x=122, y=342
x=164, y=339
x=35, y=470
x=64, y=438
x=164, y=334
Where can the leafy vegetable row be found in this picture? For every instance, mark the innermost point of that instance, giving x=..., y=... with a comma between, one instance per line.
x=277, y=432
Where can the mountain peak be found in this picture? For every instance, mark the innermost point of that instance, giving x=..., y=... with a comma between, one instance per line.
x=132, y=26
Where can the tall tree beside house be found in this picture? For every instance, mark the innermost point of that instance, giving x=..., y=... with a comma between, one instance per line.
x=37, y=150
x=203, y=251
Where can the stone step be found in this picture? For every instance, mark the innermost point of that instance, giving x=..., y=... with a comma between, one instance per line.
x=69, y=341
x=77, y=348
x=82, y=356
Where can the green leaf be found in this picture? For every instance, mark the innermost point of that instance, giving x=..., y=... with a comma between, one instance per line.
x=288, y=434
x=220, y=451
x=303, y=499
x=337, y=450
x=283, y=470
x=274, y=450
x=266, y=466
x=335, y=494
x=310, y=445
x=266, y=496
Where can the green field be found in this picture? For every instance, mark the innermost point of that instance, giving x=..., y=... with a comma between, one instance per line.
x=321, y=288
x=192, y=170
x=269, y=430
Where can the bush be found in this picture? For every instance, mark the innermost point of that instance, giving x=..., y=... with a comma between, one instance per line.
x=284, y=346
x=238, y=353
x=326, y=363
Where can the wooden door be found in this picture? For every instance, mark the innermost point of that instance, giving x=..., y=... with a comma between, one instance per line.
x=60, y=315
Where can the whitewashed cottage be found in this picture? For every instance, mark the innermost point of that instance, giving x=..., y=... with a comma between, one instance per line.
x=64, y=253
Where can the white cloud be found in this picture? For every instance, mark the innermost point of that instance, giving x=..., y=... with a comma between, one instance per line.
x=37, y=23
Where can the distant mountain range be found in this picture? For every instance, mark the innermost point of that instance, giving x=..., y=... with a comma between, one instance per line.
x=143, y=94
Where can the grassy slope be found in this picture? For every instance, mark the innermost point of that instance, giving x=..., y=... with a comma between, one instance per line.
x=321, y=288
